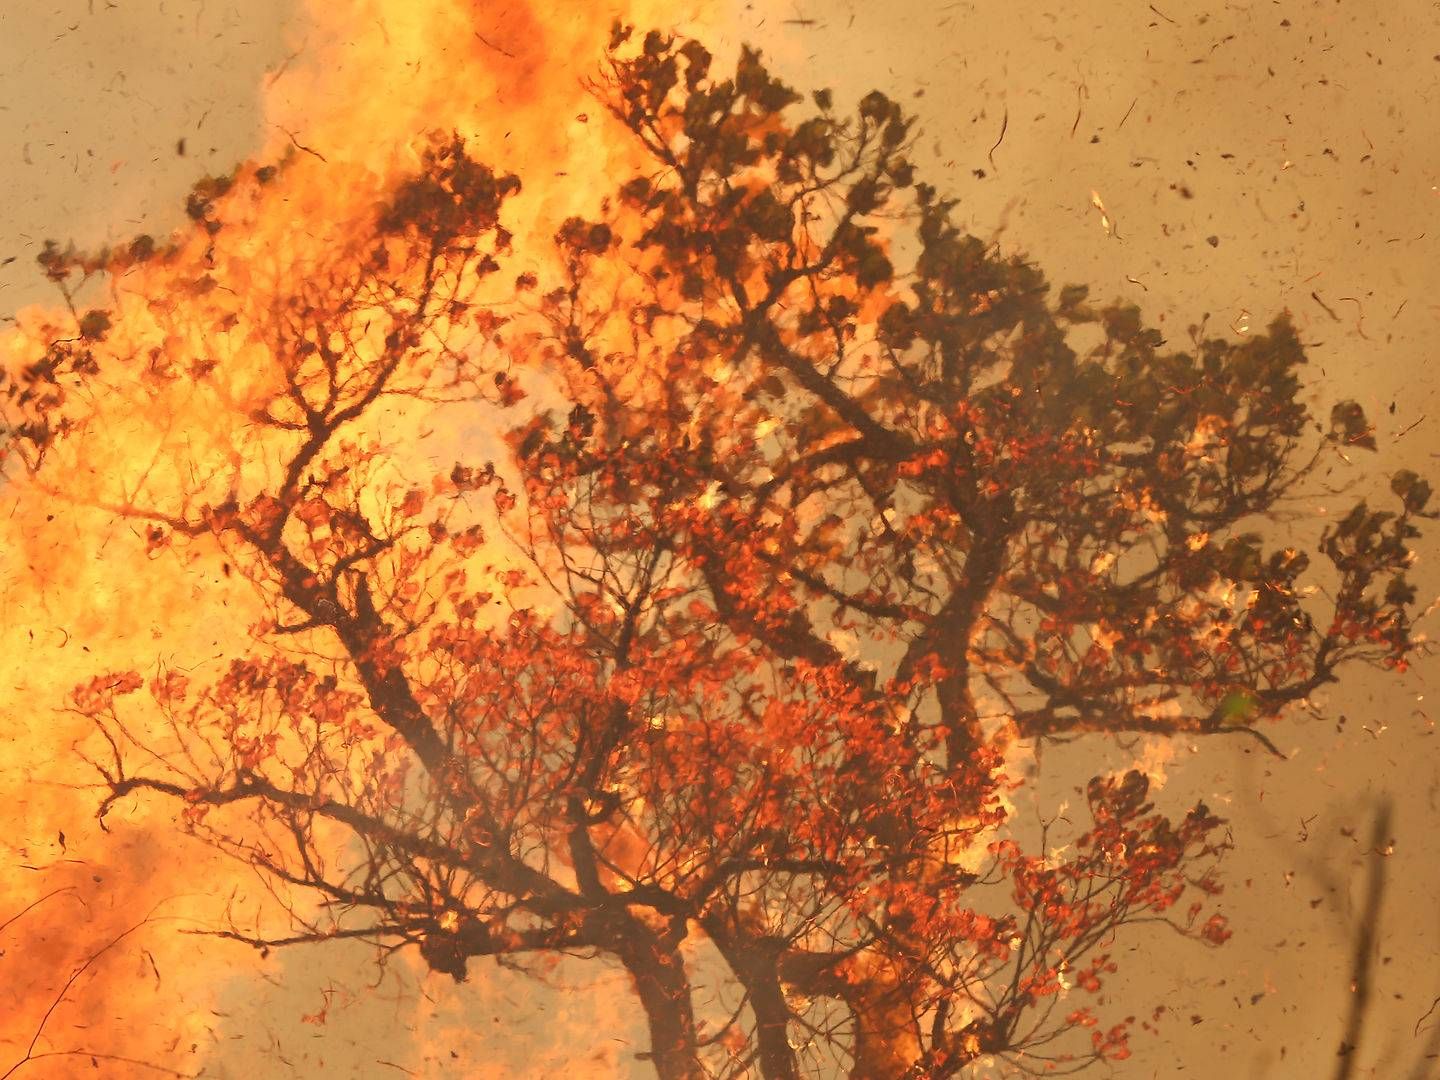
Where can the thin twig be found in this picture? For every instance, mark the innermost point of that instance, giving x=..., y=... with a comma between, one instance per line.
x=118, y=1058
x=1428, y=1012
x=1004, y=126
x=1367, y=934
x=35, y=904
x=301, y=146
x=30, y=1054
x=490, y=44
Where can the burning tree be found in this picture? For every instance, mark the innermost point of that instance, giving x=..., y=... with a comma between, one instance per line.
x=814, y=516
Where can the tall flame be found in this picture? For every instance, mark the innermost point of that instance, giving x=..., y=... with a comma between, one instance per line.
x=85, y=591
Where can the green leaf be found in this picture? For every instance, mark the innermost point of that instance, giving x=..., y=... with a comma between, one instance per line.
x=1237, y=707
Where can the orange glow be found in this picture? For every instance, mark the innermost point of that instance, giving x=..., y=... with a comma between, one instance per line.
x=87, y=592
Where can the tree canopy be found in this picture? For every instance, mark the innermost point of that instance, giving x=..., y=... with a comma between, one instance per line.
x=807, y=516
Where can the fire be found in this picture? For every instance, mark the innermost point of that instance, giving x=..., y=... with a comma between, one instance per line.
x=86, y=591
x=510, y=79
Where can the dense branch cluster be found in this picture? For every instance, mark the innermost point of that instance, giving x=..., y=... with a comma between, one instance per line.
x=824, y=512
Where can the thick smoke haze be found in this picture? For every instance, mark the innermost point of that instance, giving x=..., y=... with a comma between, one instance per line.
x=1214, y=163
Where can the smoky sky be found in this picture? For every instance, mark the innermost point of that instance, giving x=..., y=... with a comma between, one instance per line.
x=1250, y=158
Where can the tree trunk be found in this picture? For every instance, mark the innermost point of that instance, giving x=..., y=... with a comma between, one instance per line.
x=755, y=962
x=887, y=1034
x=664, y=989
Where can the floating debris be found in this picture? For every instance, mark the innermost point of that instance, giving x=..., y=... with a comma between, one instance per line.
x=1105, y=221
x=1081, y=93
x=1327, y=308
x=1004, y=127
x=1411, y=428
x=1359, y=316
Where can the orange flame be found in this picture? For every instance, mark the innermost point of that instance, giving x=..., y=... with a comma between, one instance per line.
x=86, y=592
